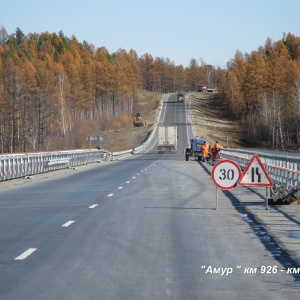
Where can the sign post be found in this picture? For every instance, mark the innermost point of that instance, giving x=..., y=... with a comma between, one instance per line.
x=225, y=137
x=256, y=175
x=225, y=175
x=94, y=138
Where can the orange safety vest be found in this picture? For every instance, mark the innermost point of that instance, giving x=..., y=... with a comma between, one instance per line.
x=205, y=148
x=214, y=151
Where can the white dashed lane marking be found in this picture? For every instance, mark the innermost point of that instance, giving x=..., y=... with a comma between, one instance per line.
x=93, y=206
x=67, y=224
x=26, y=254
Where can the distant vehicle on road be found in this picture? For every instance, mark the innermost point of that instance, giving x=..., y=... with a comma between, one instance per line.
x=201, y=88
x=167, y=139
x=180, y=97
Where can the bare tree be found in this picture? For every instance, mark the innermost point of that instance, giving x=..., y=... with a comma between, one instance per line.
x=3, y=36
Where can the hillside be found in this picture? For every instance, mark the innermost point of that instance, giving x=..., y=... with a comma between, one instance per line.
x=208, y=119
x=209, y=122
x=126, y=136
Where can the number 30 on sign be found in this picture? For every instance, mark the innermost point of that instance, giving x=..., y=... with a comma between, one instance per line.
x=225, y=174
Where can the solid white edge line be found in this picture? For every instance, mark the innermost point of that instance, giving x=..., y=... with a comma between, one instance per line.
x=26, y=254
x=67, y=224
x=165, y=109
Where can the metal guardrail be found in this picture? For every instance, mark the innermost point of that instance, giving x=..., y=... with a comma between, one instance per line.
x=285, y=193
x=283, y=170
x=22, y=165
x=14, y=166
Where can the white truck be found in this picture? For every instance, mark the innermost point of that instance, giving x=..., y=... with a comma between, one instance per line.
x=167, y=139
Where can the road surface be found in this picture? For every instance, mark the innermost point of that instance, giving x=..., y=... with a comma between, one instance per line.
x=139, y=228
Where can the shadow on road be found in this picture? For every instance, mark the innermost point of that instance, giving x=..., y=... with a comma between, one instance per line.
x=259, y=228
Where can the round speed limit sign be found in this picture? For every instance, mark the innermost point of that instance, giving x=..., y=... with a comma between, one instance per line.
x=225, y=174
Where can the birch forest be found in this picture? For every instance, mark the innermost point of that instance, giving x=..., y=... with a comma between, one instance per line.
x=54, y=90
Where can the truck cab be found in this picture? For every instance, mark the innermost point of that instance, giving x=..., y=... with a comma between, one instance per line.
x=201, y=88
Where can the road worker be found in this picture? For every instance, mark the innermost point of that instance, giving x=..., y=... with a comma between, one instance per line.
x=215, y=150
x=205, y=150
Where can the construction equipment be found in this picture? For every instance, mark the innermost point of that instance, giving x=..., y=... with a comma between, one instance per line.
x=195, y=150
x=138, y=120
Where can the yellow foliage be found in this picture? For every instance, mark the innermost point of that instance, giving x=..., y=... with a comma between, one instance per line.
x=55, y=90
x=122, y=121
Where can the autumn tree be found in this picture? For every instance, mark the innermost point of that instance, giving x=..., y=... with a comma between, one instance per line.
x=50, y=83
x=192, y=75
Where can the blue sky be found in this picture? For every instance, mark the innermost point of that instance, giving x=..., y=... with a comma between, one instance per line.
x=176, y=29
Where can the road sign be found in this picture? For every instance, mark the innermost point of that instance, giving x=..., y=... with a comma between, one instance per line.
x=94, y=138
x=255, y=174
x=225, y=137
x=225, y=174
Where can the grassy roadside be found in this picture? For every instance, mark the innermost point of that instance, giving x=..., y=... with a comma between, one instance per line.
x=210, y=123
x=126, y=136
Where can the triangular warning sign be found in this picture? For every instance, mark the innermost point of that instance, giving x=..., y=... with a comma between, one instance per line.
x=255, y=174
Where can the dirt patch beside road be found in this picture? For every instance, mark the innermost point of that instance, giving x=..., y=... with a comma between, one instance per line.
x=127, y=136
x=209, y=122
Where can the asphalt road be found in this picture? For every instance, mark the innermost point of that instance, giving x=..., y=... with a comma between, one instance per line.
x=139, y=228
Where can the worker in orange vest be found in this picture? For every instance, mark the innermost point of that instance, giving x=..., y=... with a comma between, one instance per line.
x=215, y=151
x=205, y=150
